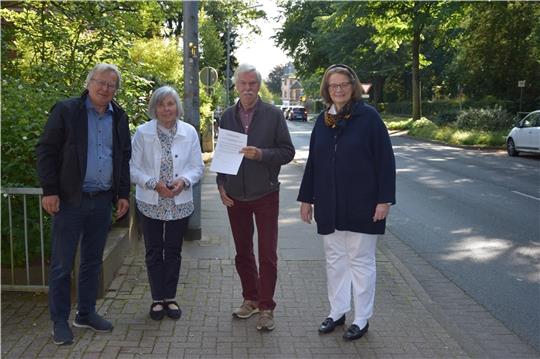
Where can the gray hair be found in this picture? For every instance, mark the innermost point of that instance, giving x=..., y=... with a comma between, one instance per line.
x=159, y=95
x=245, y=68
x=100, y=68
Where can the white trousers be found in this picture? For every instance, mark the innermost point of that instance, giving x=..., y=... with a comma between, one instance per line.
x=350, y=262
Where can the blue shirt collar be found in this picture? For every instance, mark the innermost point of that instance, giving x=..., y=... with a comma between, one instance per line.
x=90, y=105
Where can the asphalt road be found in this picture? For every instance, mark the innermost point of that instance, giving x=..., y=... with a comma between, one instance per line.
x=475, y=216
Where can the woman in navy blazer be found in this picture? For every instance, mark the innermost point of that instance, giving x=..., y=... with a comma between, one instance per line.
x=350, y=179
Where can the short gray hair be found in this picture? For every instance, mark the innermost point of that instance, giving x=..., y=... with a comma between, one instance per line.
x=245, y=68
x=159, y=95
x=100, y=68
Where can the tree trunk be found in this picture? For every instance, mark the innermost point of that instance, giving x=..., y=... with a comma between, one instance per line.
x=416, y=76
x=378, y=88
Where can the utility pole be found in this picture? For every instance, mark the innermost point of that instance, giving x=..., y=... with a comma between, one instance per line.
x=228, y=68
x=191, y=97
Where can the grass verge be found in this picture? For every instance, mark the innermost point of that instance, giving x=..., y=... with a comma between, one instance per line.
x=426, y=129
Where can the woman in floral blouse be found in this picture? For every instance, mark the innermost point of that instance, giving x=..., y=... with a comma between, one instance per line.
x=166, y=162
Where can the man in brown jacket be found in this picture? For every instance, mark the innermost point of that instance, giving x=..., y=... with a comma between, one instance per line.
x=254, y=191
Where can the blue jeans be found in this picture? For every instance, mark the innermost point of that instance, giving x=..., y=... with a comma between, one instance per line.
x=88, y=222
x=163, y=241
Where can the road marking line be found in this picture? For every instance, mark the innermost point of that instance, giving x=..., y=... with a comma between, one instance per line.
x=527, y=195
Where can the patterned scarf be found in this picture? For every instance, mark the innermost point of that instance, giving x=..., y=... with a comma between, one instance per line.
x=338, y=119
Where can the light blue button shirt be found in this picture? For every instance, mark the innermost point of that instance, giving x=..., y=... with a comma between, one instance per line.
x=99, y=159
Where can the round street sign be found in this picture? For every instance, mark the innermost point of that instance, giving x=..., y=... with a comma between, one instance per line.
x=208, y=76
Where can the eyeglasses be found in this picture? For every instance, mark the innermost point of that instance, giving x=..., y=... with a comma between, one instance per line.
x=341, y=86
x=102, y=83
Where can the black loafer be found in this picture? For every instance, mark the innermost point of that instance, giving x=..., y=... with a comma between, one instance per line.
x=354, y=332
x=329, y=324
x=157, y=314
x=173, y=313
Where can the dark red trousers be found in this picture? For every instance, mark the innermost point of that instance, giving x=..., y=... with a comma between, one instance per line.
x=258, y=285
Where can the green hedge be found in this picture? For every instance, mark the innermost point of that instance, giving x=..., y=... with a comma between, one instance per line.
x=444, y=111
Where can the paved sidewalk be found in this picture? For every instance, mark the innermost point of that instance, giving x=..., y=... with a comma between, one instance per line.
x=409, y=321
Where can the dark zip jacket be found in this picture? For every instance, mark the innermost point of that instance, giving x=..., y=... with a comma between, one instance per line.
x=268, y=132
x=62, y=151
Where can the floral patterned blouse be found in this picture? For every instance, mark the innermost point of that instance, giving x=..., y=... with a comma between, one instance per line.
x=165, y=209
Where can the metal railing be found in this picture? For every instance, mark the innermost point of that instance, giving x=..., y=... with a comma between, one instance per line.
x=10, y=193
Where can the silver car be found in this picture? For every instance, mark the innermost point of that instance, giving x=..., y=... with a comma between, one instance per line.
x=525, y=136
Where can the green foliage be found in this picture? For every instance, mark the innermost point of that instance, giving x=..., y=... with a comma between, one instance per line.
x=468, y=49
x=229, y=16
x=212, y=49
x=443, y=111
x=25, y=107
x=47, y=49
x=426, y=129
x=274, y=79
x=206, y=112
x=17, y=235
x=488, y=119
x=157, y=59
x=499, y=47
x=265, y=94
x=423, y=128
x=152, y=63
x=398, y=124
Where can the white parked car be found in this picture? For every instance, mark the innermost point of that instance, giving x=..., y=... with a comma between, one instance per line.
x=525, y=136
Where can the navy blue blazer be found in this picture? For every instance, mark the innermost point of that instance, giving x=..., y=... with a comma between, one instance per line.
x=350, y=169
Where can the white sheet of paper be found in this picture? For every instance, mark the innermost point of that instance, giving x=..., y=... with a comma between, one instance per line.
x=227, y=156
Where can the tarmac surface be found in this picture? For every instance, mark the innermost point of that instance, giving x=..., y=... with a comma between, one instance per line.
x=419, y=313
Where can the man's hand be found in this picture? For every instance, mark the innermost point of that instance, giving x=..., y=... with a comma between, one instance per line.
x=227, y=201
x=51, y=204
x=252, y=153
x=381, y=211
x=122, y=207
x=306, y=212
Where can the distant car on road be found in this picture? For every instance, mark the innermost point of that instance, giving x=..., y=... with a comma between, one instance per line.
x=525, y=136
x=297, y=113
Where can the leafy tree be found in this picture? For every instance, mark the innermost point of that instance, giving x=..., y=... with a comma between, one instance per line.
x=318, y=34
x=229, y=16
x=274, y=79
x=499, y=47
x=265, y=93
x=212, y=50
x=407, y=22
x=372, y=37
x=299, y=35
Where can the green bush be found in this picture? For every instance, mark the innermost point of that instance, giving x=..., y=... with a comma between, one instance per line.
x=486, y=119
x=399, y=125
x=445, y=118
x=423, y=128
x=18, y=231
x=444, y=107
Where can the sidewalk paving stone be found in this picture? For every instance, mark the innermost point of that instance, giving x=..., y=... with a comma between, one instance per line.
x=414, y=305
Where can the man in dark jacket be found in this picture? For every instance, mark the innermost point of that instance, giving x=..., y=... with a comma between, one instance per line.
x=254, y=191
x=83, y=165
